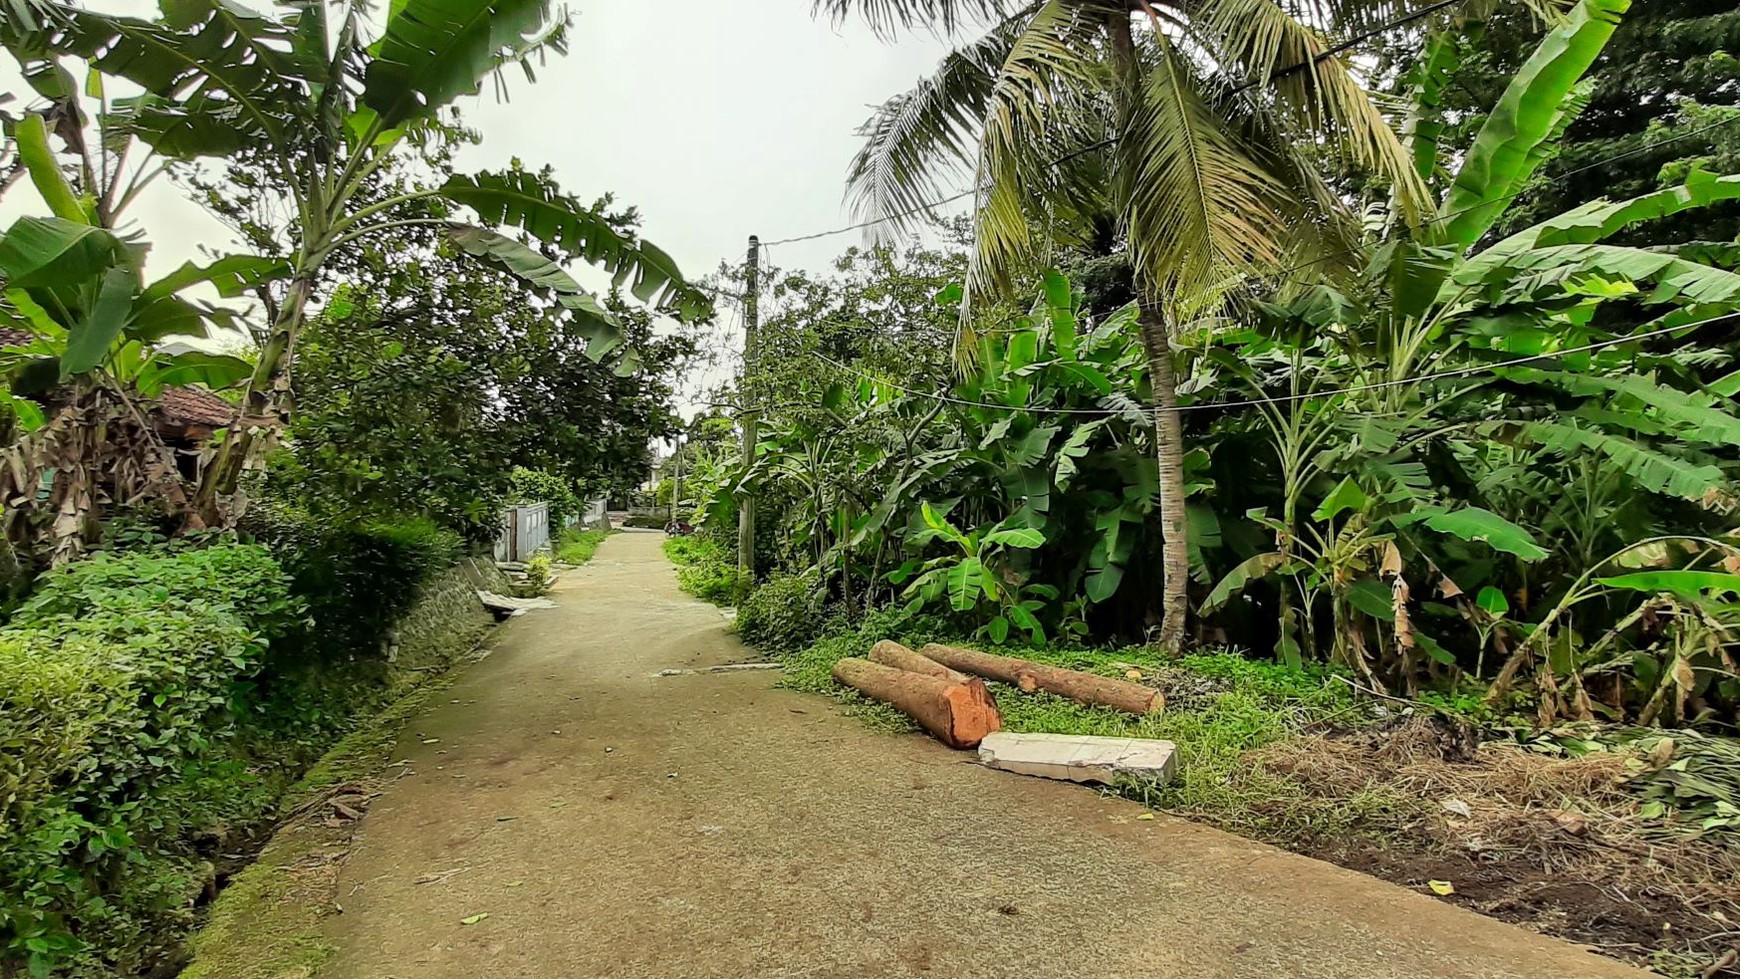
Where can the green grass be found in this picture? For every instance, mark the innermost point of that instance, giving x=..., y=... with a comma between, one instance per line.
x=578, y=546
x=1221, y=707
x=705, y=571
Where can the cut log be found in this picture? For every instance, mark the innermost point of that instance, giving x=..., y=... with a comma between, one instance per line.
x=1083, y=688
x=959, y=714
x=890, y=653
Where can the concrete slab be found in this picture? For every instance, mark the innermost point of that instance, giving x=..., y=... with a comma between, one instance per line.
x=1078, y=757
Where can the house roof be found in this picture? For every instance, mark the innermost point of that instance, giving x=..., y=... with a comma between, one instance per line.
x=182, y=406
x=195, y=406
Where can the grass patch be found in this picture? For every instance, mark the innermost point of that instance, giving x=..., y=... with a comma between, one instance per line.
x=705, y=571
x=578, y=546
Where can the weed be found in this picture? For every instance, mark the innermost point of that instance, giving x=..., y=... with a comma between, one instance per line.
x=578, y=546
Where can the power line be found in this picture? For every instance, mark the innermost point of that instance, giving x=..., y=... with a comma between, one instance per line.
x=1285, y=399
x=1313, y=61
x=1616, y=158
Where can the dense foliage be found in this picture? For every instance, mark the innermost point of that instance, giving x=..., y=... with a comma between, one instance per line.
x=1446, y=457
x=127, y=694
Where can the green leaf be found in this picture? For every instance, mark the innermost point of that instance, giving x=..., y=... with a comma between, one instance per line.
x=1531, y=111
x=1021, y=537
x=600, y=327
x=1475, y=524
x=1372, y=597
x=963, y=584
x=1601, y=219
x=215, y=74
x=1236, y=580
x=56, y=252
x=939, y=525
x=215, y=371
x=1437, y=652
x=31, y=136
x=231, y=276
x=1346, y=496
x=434, y=51
x=1652, y=469
x=1102, y=584
x=1689, y=585
x=29, y=413
x=88, y=343
x=1432, y=73
x=1493, y=601
x=534, y=205
x=998, y=628
x=1060, y=303
x=1032, y=447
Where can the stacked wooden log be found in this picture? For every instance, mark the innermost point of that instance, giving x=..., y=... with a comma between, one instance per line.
x=940, y=687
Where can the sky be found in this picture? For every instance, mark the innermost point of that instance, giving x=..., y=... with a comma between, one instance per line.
x=717, y=120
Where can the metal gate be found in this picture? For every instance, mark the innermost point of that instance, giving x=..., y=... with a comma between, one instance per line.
x=524, y=529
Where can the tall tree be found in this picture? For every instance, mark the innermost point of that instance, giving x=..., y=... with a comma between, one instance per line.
x=1194, y=126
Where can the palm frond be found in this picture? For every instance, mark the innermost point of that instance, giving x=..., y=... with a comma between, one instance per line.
x=888, y=17
x=927, y=136
x=1053, y=57
x=1196, y=204
x=1322, y=96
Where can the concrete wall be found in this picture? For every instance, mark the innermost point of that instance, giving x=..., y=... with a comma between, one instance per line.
x=446, y=622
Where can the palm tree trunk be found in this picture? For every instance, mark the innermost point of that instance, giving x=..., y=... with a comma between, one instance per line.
x=1169, y=457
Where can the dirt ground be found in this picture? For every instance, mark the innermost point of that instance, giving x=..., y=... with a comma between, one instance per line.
x=566, y=813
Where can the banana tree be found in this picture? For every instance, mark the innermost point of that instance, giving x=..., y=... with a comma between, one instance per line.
x=310, y=90
x=82, y=326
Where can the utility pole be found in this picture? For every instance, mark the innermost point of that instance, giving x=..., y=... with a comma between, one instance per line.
x=746, y=414
x=677, y=478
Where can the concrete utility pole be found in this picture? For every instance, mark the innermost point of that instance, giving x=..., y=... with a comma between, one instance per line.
x=746, y=419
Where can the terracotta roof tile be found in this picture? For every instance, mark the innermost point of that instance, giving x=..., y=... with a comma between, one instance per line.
x=195, y=406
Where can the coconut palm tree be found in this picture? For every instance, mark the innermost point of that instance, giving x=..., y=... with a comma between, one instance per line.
x=1202, y=129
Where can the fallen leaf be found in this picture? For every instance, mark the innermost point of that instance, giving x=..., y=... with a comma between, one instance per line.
x=1457, y=807
x=1146, y=815
x=1570, y=822
x=1442, y=888
x=474, y=919
x=515, y=883
x=1133, y=674
x=431, y=740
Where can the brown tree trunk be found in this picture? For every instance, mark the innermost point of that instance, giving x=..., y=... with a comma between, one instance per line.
x=1169, y=458
x=890, y=653
x=1083, y=688
x=958, y=715
x=265, y=408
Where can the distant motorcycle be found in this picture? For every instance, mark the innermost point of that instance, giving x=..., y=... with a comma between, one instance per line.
x=679, y=528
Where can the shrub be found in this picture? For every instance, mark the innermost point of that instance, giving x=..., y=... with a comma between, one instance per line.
x=245, y=579
x=356, y=579
x=543, y=486
x=784, y=615
x=122, y=693
x=539, y=576
x=705, y=571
